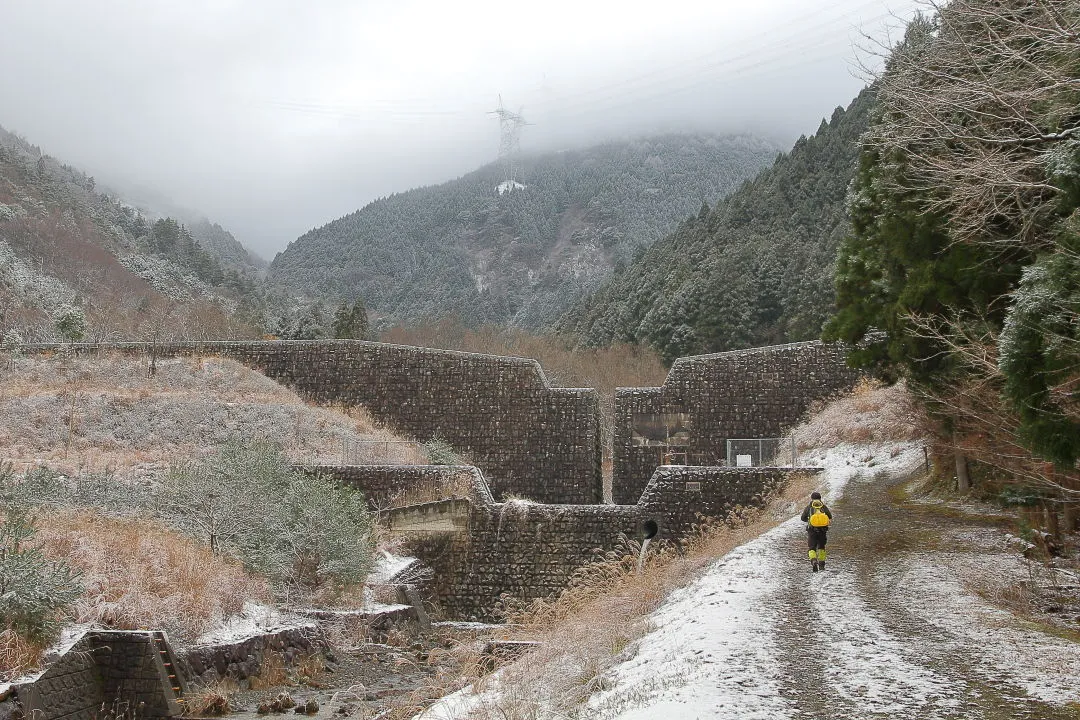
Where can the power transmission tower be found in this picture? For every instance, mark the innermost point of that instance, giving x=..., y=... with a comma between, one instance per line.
x=510, y=124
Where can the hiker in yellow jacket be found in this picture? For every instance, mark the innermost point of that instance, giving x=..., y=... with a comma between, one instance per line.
x=817, y=517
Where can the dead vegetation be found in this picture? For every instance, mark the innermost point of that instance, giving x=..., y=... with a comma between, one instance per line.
x=18, y=655
x=872, y=413
x=140, y=574
x=458, y=485
x=88, y=414
x=211, y=701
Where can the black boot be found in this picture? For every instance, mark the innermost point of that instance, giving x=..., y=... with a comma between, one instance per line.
x=814, y=565
x=820, y=564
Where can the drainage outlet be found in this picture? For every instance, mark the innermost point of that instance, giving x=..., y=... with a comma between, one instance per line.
x=649, y=528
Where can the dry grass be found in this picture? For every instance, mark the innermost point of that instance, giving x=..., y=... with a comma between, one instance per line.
x=86, y=414
x=17, y=655
x=458, y=485
x=212, y=701
x=871, y=413
x=309, y=669
x=140, y=574
x=272, y=672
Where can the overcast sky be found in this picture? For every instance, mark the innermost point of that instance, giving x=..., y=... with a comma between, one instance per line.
x=275, y=116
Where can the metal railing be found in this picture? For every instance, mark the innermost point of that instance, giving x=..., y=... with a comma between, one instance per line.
x=758, y=452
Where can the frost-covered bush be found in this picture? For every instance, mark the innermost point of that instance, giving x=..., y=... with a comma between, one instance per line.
x=440, y=452
x=307, y=534
x=34, y=591
x=70, y=323
x=12, y=342
x=167, y=278
x=10, y=212
x=33, y=287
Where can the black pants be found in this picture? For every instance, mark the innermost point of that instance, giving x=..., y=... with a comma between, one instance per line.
x=816, y=538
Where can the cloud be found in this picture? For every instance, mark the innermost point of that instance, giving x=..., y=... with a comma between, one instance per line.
x=274, y=116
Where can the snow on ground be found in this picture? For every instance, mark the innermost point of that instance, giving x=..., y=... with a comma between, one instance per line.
x=1043, y=666
x=254, y=619
x=713, y=652
x=508, y=186
x=711, y=648
x=868, y=664
x=759, y=636
x=845, y=461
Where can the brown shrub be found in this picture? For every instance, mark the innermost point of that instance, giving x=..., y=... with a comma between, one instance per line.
x=140, y=574
x=17, y=655
x=870, y=413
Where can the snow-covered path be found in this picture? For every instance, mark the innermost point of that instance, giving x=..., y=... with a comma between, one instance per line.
x=888, y=630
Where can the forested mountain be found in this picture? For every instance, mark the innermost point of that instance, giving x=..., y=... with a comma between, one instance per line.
x=72, y=255
x=213, y=238
x=755, y=269
x=520, y=257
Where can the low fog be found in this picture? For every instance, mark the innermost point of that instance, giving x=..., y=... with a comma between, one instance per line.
x=275, y=116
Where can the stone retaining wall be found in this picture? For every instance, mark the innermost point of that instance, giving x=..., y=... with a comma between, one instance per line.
x=679, y=497
x=243, y=660
x=522, y=550
x=117, y=670
x=532, y=440
x=758, y=393
x=525, y=551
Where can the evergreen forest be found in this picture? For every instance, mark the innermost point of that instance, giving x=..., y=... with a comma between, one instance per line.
x=754, y=269
x=519, y=256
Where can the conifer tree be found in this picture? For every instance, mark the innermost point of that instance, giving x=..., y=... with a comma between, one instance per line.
x=351, y=322
x=34, y=591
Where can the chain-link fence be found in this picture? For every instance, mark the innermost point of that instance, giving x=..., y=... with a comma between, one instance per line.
x=762, y=452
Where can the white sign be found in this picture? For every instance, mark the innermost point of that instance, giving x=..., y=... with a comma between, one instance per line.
x=744, y=461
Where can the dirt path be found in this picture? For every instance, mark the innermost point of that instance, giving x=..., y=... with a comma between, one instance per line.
x=890, y=629
x=884, y=650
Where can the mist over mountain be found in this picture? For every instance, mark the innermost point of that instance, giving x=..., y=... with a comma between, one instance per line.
x=154, y=205
x=755, y=269
x=69, y=249
x=517, y=255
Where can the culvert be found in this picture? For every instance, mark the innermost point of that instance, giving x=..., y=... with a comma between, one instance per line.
x=649, y=529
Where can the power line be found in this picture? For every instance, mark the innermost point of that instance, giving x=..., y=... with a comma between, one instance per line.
x=658, y=83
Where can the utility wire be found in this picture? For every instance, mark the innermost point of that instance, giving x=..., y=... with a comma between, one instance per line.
x=658, y=83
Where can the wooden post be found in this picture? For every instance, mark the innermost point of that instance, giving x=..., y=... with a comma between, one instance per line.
x=1051, y=520
x=963, y=480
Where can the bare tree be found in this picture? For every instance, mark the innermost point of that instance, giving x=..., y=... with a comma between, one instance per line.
x=979, y=106
x=985, y=427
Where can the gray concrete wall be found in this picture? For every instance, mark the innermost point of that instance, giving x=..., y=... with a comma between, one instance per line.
x=517, y=551
x=678, y=498
x=117, y=670
x=756, y=393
